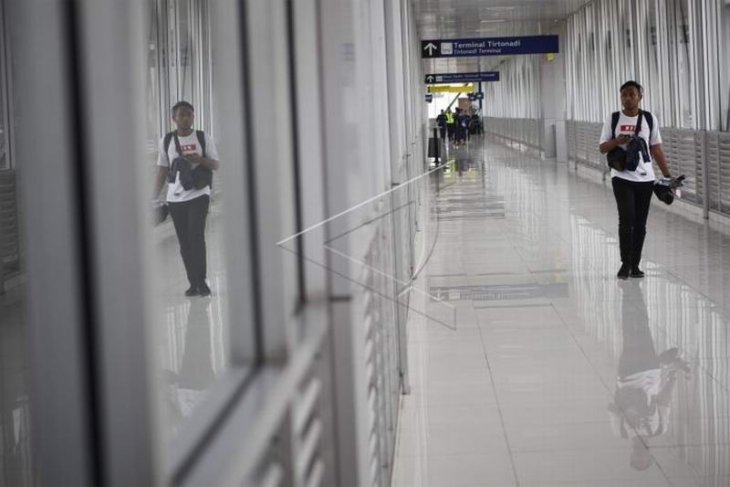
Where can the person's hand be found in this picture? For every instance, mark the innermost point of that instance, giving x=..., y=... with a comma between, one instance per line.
x=195, y=157
x=623, y=139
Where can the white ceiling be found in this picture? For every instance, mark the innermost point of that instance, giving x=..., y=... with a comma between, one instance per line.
x=459, y=19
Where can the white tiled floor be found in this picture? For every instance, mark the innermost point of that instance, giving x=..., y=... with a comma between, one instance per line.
x=518, y=391
x=192, y=332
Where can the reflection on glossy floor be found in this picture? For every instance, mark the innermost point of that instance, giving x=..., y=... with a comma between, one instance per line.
x=192, y=332
x=15, y=457
x=557, y=373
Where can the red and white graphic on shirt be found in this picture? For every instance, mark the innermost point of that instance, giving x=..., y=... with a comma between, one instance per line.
x=627, y=128
x=189, y=149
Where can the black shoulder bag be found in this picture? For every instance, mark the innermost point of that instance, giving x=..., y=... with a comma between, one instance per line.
x=616, y=157
x=197, y=178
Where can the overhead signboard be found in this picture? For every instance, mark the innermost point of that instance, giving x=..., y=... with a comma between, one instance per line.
x=489, y=46
x=461, y=77
x=451, y=89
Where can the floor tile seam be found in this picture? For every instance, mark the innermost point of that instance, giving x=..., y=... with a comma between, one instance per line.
x=606, y=386
x=692, y=360
x=584, y=353
x=608, y=390
x=656, y=462
x=690, y=445
x=666, y=475
x=724, y=311
x=421, y=409
x=663, y=267
x=499, y=410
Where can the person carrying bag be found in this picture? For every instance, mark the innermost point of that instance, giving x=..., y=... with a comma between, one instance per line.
x=632, y=141
x=188, y=166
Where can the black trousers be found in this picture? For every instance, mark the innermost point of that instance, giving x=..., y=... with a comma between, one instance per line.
x=189, y=220
x=633, y=200
x=638, y=353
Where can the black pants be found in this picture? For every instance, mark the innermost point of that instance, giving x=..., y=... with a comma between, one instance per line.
x=638, y=353
x=443, y=131
x=633, y=200
x=189, y=220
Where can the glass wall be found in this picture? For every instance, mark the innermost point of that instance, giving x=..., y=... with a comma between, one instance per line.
x=190, y=265
x=724, y=38
x=674, y=48
x=179, y=64
x=5, y=102
x=15, y=456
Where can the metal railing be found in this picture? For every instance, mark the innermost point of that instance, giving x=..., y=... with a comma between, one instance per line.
x=9, y=230
x=510, y=131
x=703, y=156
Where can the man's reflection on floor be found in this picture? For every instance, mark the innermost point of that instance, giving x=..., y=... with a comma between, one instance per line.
x=187, y=386
x=645, y=382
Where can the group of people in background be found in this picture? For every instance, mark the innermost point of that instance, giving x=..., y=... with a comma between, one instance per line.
x=455, y=124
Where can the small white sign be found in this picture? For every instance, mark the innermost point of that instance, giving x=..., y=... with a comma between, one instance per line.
x=447, y=48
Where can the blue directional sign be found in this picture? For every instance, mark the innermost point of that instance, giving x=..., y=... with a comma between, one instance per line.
x=462, y=77
x=489, y=46
x=429, y=97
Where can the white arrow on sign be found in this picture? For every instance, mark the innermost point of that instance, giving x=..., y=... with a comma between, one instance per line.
x=429, y=79
x=430, y=47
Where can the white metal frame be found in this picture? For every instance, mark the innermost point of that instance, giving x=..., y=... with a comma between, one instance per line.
x=58, y=322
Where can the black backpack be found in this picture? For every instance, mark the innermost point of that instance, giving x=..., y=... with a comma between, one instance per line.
x=201, y=176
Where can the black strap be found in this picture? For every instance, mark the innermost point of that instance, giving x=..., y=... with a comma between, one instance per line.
x=614, y=122
x=166, y=145
x=177, y=144
x=201, y=140
x=637, y=129
x=650, y=120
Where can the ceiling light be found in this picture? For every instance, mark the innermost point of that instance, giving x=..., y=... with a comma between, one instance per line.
x=492, y=21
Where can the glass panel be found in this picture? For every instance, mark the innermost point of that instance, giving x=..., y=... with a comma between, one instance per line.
x=189, y=272
x=4, y=138
x=15, y=458
x=187, y=53
x=155, y=58
x=684, y=68
x=725, y=67
x=15, y=455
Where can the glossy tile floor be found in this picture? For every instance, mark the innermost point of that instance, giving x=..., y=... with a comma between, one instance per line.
x=555, y=373
x=191, y=342
x=191, y=332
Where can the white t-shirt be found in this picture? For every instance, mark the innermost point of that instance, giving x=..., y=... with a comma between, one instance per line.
x=650, y=381
x=189, y=145
x=626, y=125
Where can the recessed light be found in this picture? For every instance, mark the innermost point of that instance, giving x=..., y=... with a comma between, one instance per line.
x=492, y=21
